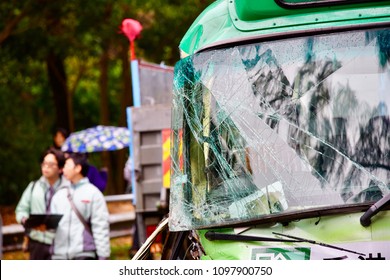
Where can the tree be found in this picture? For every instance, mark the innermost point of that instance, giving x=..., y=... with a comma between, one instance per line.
x=64, y=63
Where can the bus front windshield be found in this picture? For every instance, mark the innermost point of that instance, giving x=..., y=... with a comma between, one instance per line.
x=274, y=127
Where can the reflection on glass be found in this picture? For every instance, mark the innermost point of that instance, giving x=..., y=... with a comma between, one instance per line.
x=268, y=128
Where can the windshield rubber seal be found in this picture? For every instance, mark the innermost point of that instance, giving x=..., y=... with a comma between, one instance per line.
x=321, y=3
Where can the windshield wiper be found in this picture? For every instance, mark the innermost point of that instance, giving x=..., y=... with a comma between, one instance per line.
x=365, y=219
x=212, y=235
x=318, y=243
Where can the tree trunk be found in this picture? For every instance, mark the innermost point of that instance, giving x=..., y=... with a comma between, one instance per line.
x=104, y=114
x=58, y=84
x=103, y=85
x=10, y=25
x=127, y=93
x=126, y=101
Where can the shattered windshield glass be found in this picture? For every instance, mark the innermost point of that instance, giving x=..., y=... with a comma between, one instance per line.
x=274, y=127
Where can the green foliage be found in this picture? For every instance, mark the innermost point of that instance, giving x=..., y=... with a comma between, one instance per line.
x=79, y=33
x=165, y=23
x=24, y=107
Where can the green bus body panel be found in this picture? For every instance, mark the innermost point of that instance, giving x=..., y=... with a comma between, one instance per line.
x=239, y=20
x=342, y=231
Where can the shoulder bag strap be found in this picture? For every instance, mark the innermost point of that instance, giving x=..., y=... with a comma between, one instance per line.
x=31, y=193
x=27, y=231
x=81, y=218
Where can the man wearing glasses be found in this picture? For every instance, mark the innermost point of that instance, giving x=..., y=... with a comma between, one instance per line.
x=36, y=199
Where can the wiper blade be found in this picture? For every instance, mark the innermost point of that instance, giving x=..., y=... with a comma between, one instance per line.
x=212, y=235
x=319, y=243
x=365, y=219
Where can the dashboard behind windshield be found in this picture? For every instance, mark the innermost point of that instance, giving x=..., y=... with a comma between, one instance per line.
x=273, y=127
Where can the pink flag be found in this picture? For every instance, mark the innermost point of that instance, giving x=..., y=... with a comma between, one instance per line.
x=131, y=28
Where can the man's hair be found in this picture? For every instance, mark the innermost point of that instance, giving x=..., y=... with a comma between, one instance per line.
x=80, y=159
x=60, y=157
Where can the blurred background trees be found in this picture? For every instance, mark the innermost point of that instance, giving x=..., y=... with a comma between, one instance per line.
x=65, y=64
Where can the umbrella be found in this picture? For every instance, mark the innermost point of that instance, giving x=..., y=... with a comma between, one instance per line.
x=97, y=139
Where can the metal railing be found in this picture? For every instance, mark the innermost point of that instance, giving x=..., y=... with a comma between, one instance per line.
x=121, y=224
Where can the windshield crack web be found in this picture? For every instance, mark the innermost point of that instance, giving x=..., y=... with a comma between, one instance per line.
x=265, y=131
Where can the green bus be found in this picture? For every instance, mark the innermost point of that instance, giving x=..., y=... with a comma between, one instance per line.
x=281, y=132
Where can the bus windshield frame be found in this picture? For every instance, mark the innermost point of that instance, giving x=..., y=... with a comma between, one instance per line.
x=279, y=130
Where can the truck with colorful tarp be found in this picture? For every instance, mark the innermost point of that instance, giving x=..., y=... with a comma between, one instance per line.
x=281, y=132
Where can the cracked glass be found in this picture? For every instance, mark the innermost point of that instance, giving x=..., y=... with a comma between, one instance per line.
x=270, y=128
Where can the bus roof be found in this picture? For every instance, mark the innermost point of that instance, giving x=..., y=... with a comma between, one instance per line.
x=231, y=21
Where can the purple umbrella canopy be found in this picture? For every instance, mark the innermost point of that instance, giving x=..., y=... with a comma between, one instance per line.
x=97, y=139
